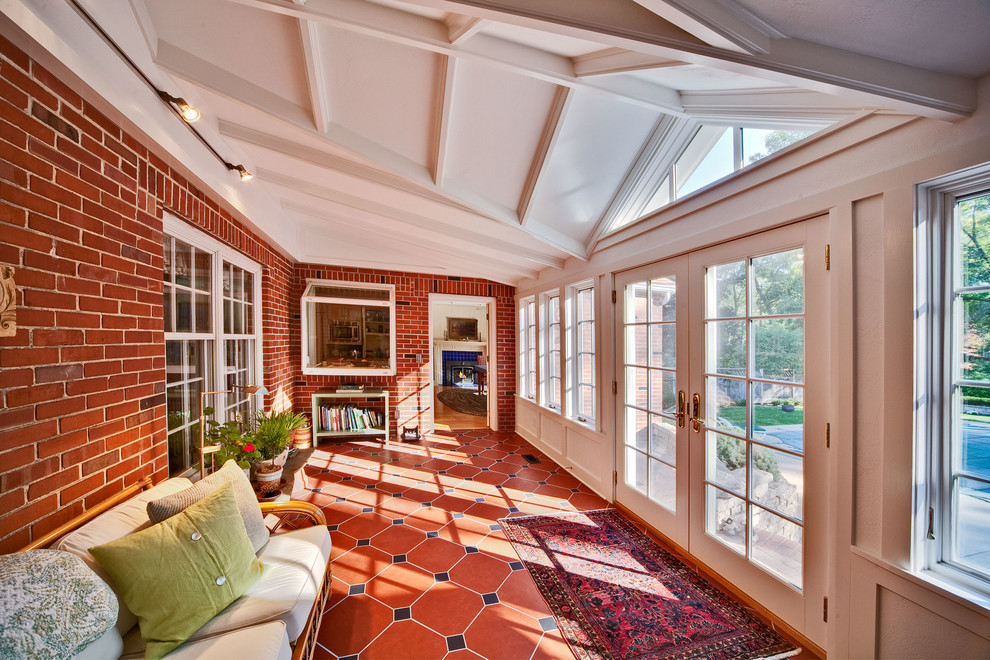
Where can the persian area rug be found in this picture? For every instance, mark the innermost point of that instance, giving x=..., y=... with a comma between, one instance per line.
x=617, y=595
x=465, y=400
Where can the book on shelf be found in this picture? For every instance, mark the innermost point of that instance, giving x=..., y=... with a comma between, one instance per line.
x=350, y=418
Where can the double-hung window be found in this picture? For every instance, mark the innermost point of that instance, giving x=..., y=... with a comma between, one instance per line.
x=527, y=348
x=581, y=352
x=953, y=289
x=212, y=334
x=550, y=348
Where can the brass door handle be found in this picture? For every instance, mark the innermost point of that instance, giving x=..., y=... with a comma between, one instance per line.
x=681, y=405
x=696, y=412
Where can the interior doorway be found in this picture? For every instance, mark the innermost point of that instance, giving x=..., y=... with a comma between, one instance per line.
x=462, y=360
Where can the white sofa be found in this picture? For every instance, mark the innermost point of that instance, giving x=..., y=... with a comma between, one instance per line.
x=277, y=618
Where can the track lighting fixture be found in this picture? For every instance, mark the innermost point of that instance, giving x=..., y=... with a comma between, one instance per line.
x=244, y=174
x=186, y=111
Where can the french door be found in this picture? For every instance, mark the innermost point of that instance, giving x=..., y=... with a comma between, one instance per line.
x=720, y=416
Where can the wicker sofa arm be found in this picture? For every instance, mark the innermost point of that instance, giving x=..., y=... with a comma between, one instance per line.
x=291, y=513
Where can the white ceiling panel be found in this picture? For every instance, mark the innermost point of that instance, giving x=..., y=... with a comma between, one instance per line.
x=552, y=43
x=382, y=91
x=497, y=120
x=228, y=36
x=697, y=78
x=593, y=152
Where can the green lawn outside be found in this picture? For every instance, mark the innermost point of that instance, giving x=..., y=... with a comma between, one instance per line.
x=764, y=415
x=976, y=418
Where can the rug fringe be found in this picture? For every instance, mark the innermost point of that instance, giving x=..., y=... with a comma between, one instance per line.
x=781, y=656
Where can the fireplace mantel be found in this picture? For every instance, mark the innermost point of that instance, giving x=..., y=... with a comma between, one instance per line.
x=447, y=345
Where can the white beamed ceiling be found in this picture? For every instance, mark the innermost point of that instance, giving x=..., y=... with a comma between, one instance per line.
x=492, y=138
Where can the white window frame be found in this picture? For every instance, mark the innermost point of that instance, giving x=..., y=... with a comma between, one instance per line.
x=548, y=298
x=527, y=346
x=216, y=376
x=935, y=381
x=573, y=382
x=309, y=370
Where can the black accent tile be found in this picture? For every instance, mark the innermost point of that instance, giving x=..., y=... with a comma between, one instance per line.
x=402, y=614
x=475, y=455
x=327, y=471
x=513, y=475
x=441, y=472
x=441, y=577
x=548, y=624
x=530, y=458
x=367, y=509
x=338, y=500
x=449, y=490
x=316, y=490
x=458, y=514
x=516, y=565
x=346, y=478
x=349, y=657
x=542, y=483
x=355, y=589
x=456, y=643
x=499, y=460
x=370, y=487
x=398, y=559
x=575, y=490
x=331, y=528
x=471, y=549
x=490, y=599
x=398, y=521
x=426, y=505
x=460, y=463
x=479, y=499
x=494, y=527
x=513, y=509
x=363, y=542
x=432, y=535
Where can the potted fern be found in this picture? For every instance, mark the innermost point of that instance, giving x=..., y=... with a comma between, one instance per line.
x=272, y=435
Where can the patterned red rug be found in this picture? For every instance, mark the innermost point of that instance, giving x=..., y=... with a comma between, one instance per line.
x=617, y=595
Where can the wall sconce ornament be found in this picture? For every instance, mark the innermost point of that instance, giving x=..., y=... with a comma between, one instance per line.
x=8, y=302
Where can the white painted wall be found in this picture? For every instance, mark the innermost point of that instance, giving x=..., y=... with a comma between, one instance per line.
x=442, y=311
x=862, y=175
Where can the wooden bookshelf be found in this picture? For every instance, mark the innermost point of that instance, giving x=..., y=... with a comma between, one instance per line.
x=323, y=398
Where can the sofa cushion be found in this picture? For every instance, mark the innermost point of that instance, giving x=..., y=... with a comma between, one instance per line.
x=176, y=575
x=295, y=563
x=247, y=502
x=51, y=605
x=110, y=645
x=266, y=641
x=123, y=519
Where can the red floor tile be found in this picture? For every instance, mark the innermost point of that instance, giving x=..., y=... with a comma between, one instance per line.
x=406, y=640
x=447, y=608
x=480, y=572
x=501, y=633
x=436, y=555
x=399, y=585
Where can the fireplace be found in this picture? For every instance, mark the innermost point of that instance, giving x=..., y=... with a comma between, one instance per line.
x=461, y=374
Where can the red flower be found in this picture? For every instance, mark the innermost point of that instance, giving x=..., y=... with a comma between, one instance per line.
x=249, y=447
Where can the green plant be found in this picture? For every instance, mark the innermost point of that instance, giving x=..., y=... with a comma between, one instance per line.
x=235, y=440
x=732, y=453
x=273, y=432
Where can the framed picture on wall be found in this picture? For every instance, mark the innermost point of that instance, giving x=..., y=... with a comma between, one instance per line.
x=462, y=329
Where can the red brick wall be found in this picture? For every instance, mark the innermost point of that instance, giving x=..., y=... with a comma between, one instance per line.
x=82, y=382
x=409, y=387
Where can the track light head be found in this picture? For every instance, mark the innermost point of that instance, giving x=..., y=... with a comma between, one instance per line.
x=241, y=171
x=186, y=111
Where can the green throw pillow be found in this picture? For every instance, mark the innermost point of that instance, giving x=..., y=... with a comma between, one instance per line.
x=176, y=575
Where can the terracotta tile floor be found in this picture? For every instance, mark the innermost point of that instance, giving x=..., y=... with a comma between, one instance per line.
x=421, y=568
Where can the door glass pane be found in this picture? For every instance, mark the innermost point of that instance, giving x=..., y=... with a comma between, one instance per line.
x=778, y=481
x=971, y=220
x=663, y=439
x=636, y=470
x=778, y=283
x=778, y=416
x=726, y=407
x=637, y=428
x=727, y=343
x=663, y=391
x=663, y=345
x=725, y=461
x=638, y=387
x=636, y=306
x=663, y=299
x=637, y=348
x=663, y=484
x=975, y=339
x=971, y=524
x=726, y=291
x=725, y=518
x=778, y=349
x=777, y=546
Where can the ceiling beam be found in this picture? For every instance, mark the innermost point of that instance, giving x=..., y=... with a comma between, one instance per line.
x=625, y=24
x=429, y=224
x=551, y=131
x=360, y=225
x=460, y=28
x=618, y=60
x=712, y=22
x=776, y=107
x=444, y=105
x=424, y=33
x=315, y=75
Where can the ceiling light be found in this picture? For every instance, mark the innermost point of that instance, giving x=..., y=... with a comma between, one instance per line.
x=241, y=170
x=186, y=111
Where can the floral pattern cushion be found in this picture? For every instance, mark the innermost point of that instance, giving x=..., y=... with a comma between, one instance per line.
x=51, y=605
